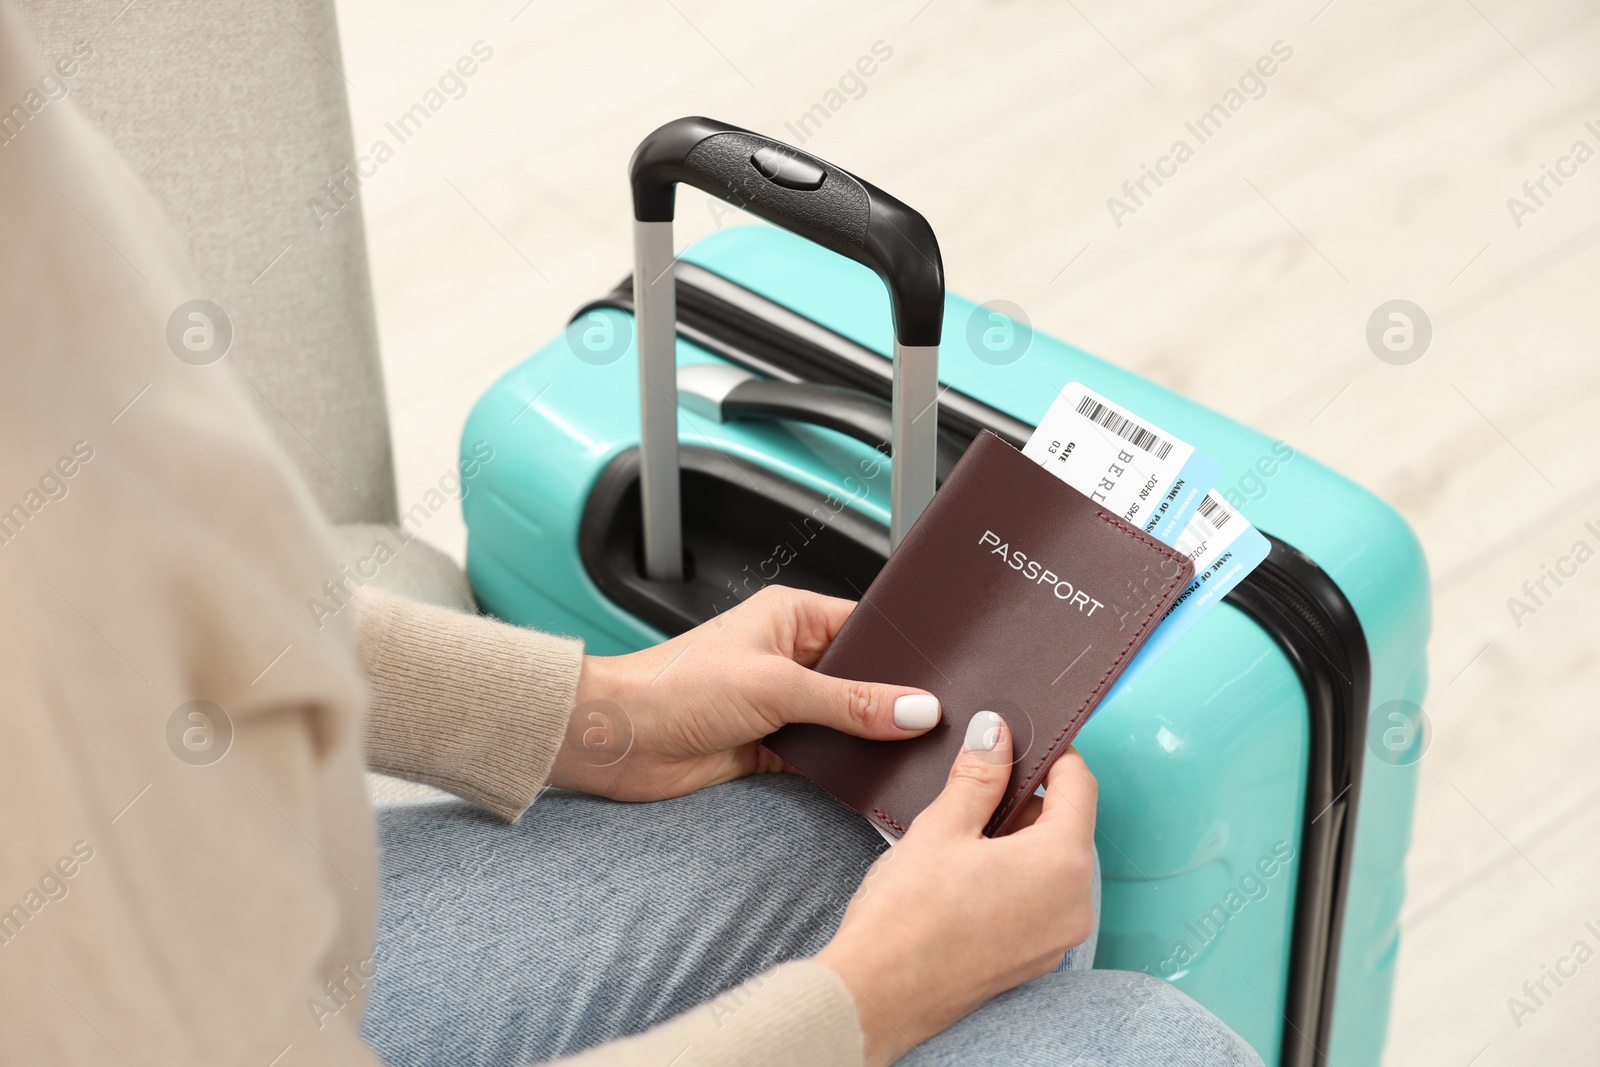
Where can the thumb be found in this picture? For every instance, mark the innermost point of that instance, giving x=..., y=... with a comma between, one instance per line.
x=866, y=709
x=977, y=779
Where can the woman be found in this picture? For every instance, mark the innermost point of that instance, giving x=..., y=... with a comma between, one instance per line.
x=188, y=872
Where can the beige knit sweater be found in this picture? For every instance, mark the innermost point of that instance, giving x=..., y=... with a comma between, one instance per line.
x=178, y=882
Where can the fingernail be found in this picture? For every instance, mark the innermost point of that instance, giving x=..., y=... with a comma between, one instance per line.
x=983, y=732
x=916, y=711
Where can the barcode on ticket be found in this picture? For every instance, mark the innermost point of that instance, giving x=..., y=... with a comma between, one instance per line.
x=1213, y=512
x=1127, y=429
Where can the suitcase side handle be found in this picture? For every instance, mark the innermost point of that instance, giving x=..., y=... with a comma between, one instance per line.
x=816, y=200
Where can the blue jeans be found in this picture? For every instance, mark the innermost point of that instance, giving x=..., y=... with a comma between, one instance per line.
x=591, y=920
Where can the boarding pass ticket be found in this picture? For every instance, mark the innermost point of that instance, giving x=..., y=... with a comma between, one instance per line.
x=1225, y=548
x=1128, y=466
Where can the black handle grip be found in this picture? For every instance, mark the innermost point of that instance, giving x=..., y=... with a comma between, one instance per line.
x=849, y=411
x=803, y=194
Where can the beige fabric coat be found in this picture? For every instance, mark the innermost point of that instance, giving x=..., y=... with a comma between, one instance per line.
x=159, y=904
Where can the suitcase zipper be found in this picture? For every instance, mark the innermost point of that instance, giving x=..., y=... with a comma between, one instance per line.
x=1288, y=595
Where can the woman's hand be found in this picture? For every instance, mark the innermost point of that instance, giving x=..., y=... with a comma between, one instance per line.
x=690, y=712
x=947, y=918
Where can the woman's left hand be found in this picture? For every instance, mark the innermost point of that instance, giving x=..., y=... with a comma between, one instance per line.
x=691, y=712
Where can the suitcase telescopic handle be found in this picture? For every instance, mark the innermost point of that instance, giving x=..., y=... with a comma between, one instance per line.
x=816, y=200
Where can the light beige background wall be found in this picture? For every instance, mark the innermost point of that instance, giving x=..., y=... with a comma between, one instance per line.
x=1376, y=166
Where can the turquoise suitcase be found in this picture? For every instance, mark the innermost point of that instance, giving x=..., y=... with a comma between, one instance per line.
x=1256, y=783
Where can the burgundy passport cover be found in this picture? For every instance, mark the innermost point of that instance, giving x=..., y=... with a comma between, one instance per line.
x=1012, y=593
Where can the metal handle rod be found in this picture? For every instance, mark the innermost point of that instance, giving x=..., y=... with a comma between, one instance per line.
x=656, y=315
x=914, y=467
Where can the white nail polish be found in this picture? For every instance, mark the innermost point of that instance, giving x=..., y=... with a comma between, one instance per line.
x=983, y=732
x=916, y=711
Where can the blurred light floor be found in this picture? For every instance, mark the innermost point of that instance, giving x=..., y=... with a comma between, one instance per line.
x=1376, y=164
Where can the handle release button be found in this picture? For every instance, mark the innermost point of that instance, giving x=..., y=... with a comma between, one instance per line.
x=788, y=169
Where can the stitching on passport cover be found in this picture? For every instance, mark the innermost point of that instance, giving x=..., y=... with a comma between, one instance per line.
x=879, y=813
x=1165, y=550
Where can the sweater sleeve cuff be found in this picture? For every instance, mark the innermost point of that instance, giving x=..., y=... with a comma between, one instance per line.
x=474, y=706
x=798, y=1015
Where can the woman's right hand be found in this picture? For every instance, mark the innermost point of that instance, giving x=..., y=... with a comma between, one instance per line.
x=947, y=918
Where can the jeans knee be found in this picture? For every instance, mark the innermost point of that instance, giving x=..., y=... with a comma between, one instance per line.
x=1163, y=1017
